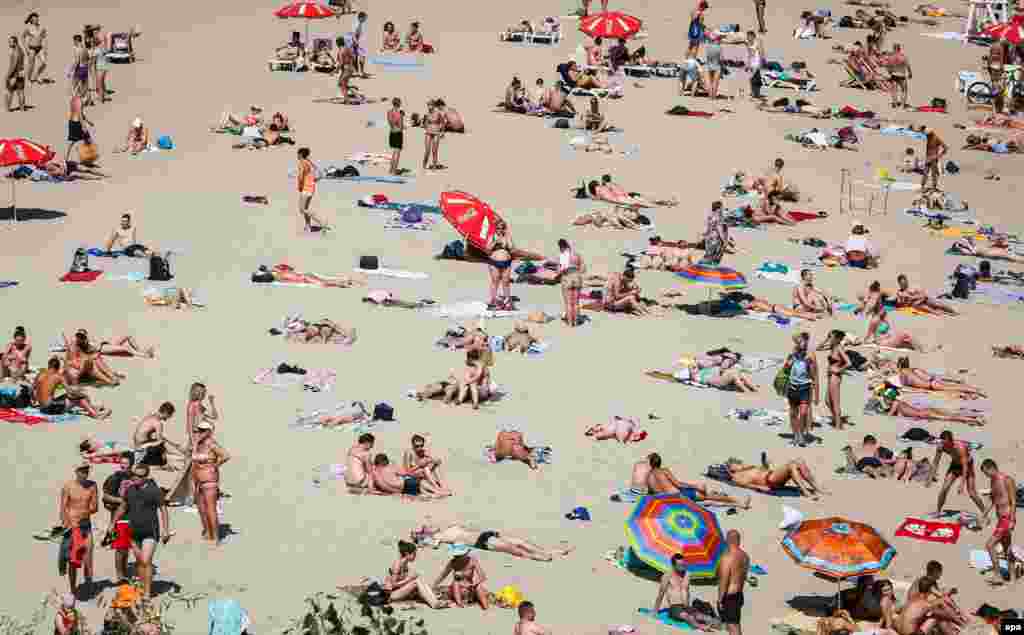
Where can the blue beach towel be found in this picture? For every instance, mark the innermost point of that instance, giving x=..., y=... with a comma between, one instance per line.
x=398, y=62
x=96, y=252
x=227, y=617
x=8, y=283
x=422, y=208
x=662, y=617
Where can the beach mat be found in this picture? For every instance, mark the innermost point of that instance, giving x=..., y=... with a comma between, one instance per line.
x=663, y=618
x=929, y=531
x=394, y=273
x=80, y=276
x=12, y=415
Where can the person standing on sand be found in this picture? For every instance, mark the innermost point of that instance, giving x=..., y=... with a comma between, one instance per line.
x=527, y=624
x=359, y=44
x=14, y=80
x=900, y=74
x=76, y=131
x=357, y=465
x=934, y=150
x=802, y=387
x=733, y=568
x=34, y=40
x=755, y=57
x=1004, y=502
x=759, y=6
x=112, y=498
x=396, y=133
x=79, y=500
x=306, y=184
x=145, y=508
x=695, y=32
x=433, y=130
x=961, y=465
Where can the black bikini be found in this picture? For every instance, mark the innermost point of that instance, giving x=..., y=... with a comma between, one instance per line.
x=484, y=538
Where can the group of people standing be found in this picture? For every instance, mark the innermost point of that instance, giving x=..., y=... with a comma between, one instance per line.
x=27, y=62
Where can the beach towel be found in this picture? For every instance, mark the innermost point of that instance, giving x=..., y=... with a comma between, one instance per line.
x=401, y=61
x=899, y=131
x=8, y=283
x=391, y=206
x=96, y=252
x=767, y=417
x=394, y=273
x=929, y=531
x=397, y=221
x=131, y=276
x=370, y=158
x=781, y=321
x=720, y=473
x=799, y=216
x=12, y=415
x=663, y=618
x=81, y=276
x=68, y=417
x=474, y=309
x=227, y=617
x=627, y=495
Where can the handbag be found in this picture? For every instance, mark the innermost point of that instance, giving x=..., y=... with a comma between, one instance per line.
x=781, y=383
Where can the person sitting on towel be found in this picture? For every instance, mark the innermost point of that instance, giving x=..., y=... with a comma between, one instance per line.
x=389, y=479
x=807, y=297
x=768, y=478
x=622, y=293
x=660, y=480
x=52, y=396
x=124, y=238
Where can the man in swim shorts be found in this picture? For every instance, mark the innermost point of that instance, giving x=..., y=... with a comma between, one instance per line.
x=961, y=465
x=1004, y=502
x=388, y=479
x=125, y=239
x=396, y=133
x=733, y=569
x=661, y=480
x=14, y=81
x=76, y=131
x=113, y=489
x=79, y=500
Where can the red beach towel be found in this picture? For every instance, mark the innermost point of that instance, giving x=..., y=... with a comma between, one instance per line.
x=81, y=276
x=930, y=109
x=929, y=531
x=802, y=216
x=11, y=415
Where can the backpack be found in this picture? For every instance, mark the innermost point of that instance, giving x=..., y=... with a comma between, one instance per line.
x=159, y=268
x=962, y=287
x=80, y=261
x=917, y=434
x=383, y=412
x=857, y=361
x=412, y=215
x=1020, y=495
x=165, y=143
x=938, y=102
x=375, y=595
x=781, y=383
x=454, y=250
x=20, y=399
x=562, y=123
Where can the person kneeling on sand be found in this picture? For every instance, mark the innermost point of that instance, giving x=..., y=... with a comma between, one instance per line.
x=389, y=480
x=403, y=584
x=660, y=480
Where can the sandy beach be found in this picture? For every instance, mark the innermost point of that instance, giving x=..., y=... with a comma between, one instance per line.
x=293, y=539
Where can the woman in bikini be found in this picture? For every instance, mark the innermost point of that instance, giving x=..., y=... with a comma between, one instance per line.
x=83, y=361
x=999, y=249
x=570, y=273
x=401, y=584
x=285, y=273
x=749, y=302
x=391, y=42
x=434, y=123
x=880, y=332
x=770, y=212
x=890, y=403
x=623, y=429
x=79, y=68
x=323, y=331
x=838, y=362
x=196, y=412
x=726, y=376
x=101, y=66
x=499, y=265
x=768, y=478
x=207, y=457
x=14, y=361
x=923, y=380
x=468, y=579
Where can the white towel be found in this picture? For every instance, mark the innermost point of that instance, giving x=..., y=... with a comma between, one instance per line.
x=394, y=273
x=790, y=277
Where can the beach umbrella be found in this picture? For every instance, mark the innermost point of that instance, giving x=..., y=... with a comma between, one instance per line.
x=713, y=276
x=1012, y=31
x=307, y=11
x=664, y=525
x=471, y=217
x=838, y=548
x=611, y=24
x=21, y=152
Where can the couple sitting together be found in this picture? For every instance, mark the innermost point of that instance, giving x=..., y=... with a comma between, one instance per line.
x=877, y=461
x=419, y=475
x=475, y=384
x=543, y=101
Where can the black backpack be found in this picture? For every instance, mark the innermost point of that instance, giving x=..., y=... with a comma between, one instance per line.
x=846, y=22
x=79, y=261
x=917, y=434
x=159, y=268
x=454, y=250
x=375, y=595
x=962, y=287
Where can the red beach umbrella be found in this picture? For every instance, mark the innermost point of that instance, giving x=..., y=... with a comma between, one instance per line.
x=22, y=152
x=612, y=24
x=1012, y=31
x=307, y=11
x=471, y=217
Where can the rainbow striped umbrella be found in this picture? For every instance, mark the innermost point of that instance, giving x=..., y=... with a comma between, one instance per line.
x=713, y=276
x=664, y=525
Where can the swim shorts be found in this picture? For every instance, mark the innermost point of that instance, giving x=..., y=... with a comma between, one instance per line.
x=411, y=486
x=141, y=534
x=122, y=536
x=730, y=608
x=868, y=461
x=484, y=538
x=799, y=394
x=956, y=469
x=76, y=132
x=688, y=492
x=395, y=139
x=1004, y=528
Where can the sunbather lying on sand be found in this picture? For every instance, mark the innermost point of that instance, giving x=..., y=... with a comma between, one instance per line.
x=386, y=298
x=390, y=479
x=918, y=299
x=611, y=192
x=355, y=413
x=799, y=107
x=236, y=123
x=435, y=532
x=881, y=333
x=618, y=218
x=511, y=444
x=661, y=480
x=908, y=377
x=73, y=171
x=889, y=402
x=768, y=478
x=998, y=249
x=999, y=120
x=935, y=11
x=270, y=137
x=623, y=429
x=749, y=302
x=877, y=462
x=322, y=331
x=726, y=375
x=1011, y=350
x=286, y=273
x=177, y=297
x=769, y=212
x=989, y=144
x=663, y=258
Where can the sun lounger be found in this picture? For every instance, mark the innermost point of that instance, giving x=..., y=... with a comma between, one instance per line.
x=283, y=65
x=538, y=37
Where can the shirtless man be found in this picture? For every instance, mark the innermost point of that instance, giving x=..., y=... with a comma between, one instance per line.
x=933, y=572
x=921, y=615
x=660, y=480
x=52, y=394
x=733, y=568
x=452, y=119
x=396, y=133
x=34, y=40
x=622, y=294
x=556, y=101
x=774, y=182
x=433, y=130
x=510, y=444
x=1004, y=502
x=357, y=465
x=388, y=479
x=920, y=300
x=76, y=131
x=14, y=80
x=79, y=500
x=807, y=297
x=934, y=150
x=527, y=624
x=622, y=429
x=419, y=462
x=637, y=480
x=437, y=533
x=675, y=589
x=124, y=238
x=961, y=466
x=346, y=70
x=149, y=442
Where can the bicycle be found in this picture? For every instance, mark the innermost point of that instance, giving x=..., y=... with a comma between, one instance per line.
x=982, y=93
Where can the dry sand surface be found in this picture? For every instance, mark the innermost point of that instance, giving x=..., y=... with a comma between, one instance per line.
x=195, y=61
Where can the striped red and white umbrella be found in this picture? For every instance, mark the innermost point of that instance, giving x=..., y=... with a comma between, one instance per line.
x=1012, y=31
x=471, y=217
x=612, y=24
x=308, y=10
x=22, y=152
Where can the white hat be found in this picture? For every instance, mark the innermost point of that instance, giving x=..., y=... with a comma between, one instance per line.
x=137, y=123
x=790, y=517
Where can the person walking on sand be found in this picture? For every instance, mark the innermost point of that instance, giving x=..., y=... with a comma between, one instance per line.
x=306, y=184
x=359, y=44
x=76, y=129
x=900, y=74
x=934, y=150
x=34, y=40
x=433, y=130
x=396, y=133
x=733, y=569
x=79, y=500
x=570, y=274
x=1004, y=502
x=113, y=489
x=961, y=465
x=759, y=6
x=145, y=509
x=801, y=388
x=14, y=80
x=527, y=624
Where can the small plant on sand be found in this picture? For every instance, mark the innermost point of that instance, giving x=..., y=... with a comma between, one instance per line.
x=324, y=618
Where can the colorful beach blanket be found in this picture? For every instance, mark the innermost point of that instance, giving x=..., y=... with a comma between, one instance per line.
x=12, y=415
x=663, y=618
x=81, y=276
x=929, y=531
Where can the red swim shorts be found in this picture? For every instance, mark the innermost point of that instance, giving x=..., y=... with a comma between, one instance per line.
x=122, y=536
x=1004, y=528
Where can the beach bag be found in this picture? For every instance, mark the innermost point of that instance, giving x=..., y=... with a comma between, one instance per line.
x=348, y=171
x=454, y=250
x=79, y=261
x=375, y=595
x=696, y=30
x=962, y=287
x=643, y=220
x=1020, y=495
x=165, y=143
x=781, y=383
x=88, y=152
x=412, y=215
x=20, y=399
x=562, y=124
x=857, y=361
x=159, y=268
x=383, y=412
x=369, y=262
x=917, y=434
x=581, y=192
x=701, y=606
x=262, y=275
x=985, y=270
